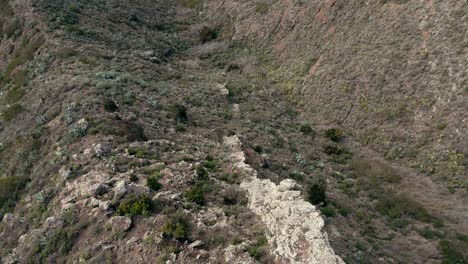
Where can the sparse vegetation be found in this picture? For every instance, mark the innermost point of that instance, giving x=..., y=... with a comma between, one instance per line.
x=10, y=191
x=177, y=226
x=195, y=194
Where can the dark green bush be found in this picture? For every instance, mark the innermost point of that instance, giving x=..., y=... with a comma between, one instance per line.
x=317, y=193
x=61, y=242
x=258, y=149
x=180, y=113
x=10, y=191
x=297, y=176
x=153, y=183
x=328, y=211
x=334, y=134
x=109, y=105
x=177, y=226
x=135, y=205
x=208, y=34
x=307, y=130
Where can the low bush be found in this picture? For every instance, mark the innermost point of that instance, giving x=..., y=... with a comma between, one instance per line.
x=208, y=34
x=451, y=255
x=135, y=205
x=179, y=112
x=195, y=194
x=307, y=130
x=317, y=193
x=59, y=242
x=334, y=134
x=328, y=211
x=14, y=95
x=110, y=105
x=10, y=191
x=153, y=183
x=10, y=112
x=177, y=226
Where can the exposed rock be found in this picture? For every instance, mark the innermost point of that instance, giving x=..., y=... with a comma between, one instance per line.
x=101, y=150
x=295, y=227
x=120, y=223
x=98, y=189
x=8, y=219
x=236, y=255
x=120, y=189
x=196, y=244
x=105, y=205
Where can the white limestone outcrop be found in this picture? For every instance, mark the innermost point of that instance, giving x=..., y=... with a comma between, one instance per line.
x=295, y=227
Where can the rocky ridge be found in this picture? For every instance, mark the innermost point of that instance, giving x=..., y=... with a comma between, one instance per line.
x=295, y=227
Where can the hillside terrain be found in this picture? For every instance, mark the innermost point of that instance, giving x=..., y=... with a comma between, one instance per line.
x=189, y=131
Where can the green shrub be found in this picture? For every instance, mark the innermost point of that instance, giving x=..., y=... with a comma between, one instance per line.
x=209, y=164
x=307, y=130
x=258, y=149
x=429, y=233
x=297, y=176
x=180, y=113
x=135, y=205
x=61, y=242
x=202, y=174
x=208, y=34
x=195, y=194
x=258, y=249
x=334, y=134
x=10, y=112
x=317, y=193
x=337, y=154
x=110, y=105
x=5, y=9
x=23, y=54
x=14, y=95
x=462, y=237
x=177, y=226
x=10, y=191
x=451, y=254
x=153, y=183
x=328, y=211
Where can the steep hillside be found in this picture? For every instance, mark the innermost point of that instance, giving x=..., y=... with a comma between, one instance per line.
x=392, y=73
x=189, y=131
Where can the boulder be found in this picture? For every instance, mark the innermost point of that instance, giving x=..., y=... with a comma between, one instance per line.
x=120, y=223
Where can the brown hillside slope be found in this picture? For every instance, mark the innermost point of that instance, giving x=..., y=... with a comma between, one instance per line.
x=393, y=73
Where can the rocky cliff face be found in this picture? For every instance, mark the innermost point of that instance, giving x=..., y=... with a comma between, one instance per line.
x=392, y=73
